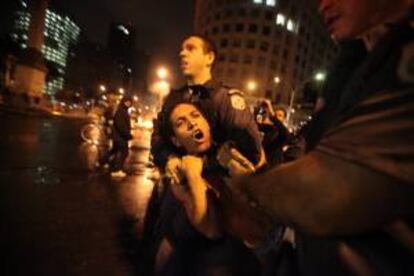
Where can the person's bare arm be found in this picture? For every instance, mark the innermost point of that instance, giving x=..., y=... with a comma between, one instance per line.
x=199, y=209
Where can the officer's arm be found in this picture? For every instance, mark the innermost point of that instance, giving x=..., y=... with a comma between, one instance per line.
x=235, y=118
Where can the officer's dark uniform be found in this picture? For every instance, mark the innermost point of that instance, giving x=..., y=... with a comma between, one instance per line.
x=228, y=115
x=361, y=142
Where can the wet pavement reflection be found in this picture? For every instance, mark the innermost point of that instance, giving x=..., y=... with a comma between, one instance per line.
x=60, y=217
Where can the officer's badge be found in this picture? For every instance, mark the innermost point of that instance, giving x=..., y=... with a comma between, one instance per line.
x=237, y=100
x=406, y=66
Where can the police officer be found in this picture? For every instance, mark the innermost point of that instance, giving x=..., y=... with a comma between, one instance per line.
x=351, y=197
x=225, y=107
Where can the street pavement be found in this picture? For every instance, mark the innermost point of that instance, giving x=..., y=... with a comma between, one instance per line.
x=58, y=217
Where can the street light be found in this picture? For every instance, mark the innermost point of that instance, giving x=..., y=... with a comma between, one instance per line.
x=251, y=85
x=121, y=91
x=162, y=73
x=318, y=77
x=102, y=88
x=276, y=80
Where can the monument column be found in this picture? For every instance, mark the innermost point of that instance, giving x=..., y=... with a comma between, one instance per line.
x=30, y=74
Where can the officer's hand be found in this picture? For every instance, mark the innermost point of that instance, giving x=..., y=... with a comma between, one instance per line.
x=229, y=157
x=173, y=168
x=192, y=165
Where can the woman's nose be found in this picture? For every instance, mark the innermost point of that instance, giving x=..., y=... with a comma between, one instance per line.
x=191, y=124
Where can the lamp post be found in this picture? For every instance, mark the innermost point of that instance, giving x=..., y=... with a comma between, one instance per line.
x=102, y=88
x=162, y=73
x=161, y=86
x=251, y=86
x=318, y=77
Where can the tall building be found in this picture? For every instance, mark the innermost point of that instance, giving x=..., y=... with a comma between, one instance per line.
x=269, y=48
x=121, y=46
x=60, y=33
x=130, y=64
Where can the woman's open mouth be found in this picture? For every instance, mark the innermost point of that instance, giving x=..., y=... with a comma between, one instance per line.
x=198, y=135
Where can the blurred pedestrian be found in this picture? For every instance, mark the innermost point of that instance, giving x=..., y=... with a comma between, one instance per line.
x=120, y=134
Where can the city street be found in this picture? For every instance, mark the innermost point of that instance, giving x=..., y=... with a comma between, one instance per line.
x=58, y=218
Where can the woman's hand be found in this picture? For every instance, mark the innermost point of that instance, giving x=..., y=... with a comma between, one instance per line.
x=191, y=166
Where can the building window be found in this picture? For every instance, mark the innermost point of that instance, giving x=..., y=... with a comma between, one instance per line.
x=266, y=30
x=217, y=16
x=258, y=1
x=253, y=28
x=228, y=13
x=222, y=58
x=261, y=61
x=224, y=43
x=290, y=26
x=255, y=13
x=280, y=19
x=239, y=27
x=285, y=53
x=215, y=30
x=264, y=46
x=247, y=59
x=236, y=43
x=269, y=15
x=270, y=3
x=250, y=44
x=275, y=49
x=226, y=28
x=234, y=58
x=241, y=12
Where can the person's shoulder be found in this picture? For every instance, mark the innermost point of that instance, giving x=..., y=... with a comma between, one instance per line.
x=175, y=93
x=232, y=95
x=228, y=90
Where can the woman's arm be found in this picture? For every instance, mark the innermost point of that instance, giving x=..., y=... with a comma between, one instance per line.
x=194, y=197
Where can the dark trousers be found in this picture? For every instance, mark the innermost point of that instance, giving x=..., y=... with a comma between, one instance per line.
x=116, y=156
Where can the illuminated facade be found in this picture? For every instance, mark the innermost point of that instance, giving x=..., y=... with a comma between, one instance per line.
x=60, y=34
x=267, y=47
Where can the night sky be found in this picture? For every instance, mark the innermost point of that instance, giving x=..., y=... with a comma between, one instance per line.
x=161, y=24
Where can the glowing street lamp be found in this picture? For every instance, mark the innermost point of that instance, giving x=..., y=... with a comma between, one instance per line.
x=102, y=88
x=320, y=76
x=276, y=80
x=121, y=91
x=251, y=85
x=162, y=73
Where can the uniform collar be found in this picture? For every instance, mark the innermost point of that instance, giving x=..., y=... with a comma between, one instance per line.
x=202, y=91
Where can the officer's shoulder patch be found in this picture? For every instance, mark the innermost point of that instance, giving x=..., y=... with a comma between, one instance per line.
x=406, y=65
x=233, y=91
x=236, y=99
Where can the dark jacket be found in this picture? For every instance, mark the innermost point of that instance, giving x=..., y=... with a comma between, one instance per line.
x=121, y=131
